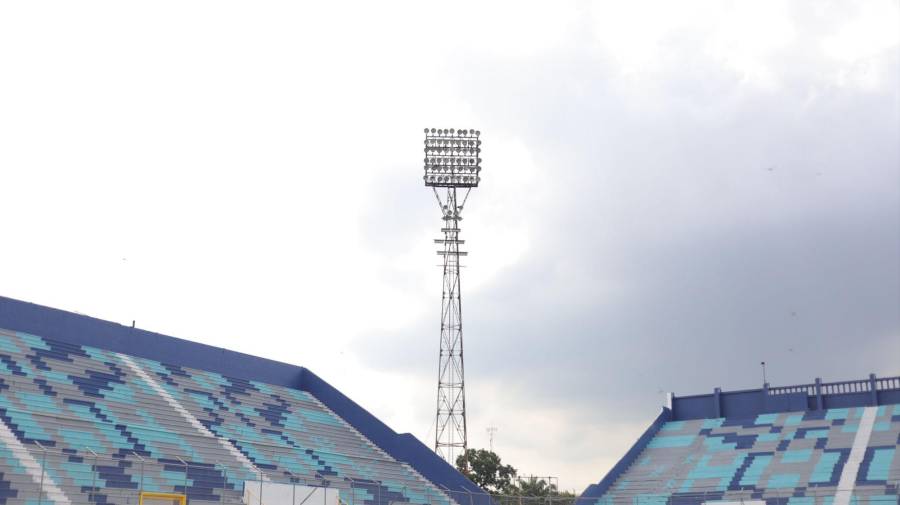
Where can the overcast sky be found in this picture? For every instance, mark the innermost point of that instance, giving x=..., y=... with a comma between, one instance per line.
x=672, y=192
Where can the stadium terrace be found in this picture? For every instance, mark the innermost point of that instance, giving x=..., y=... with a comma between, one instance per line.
x=810, y=444
x=97, y=412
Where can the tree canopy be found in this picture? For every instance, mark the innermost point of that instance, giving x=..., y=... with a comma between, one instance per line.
x=486, y=469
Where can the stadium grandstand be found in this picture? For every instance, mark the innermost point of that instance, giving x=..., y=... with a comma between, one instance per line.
x=810, y=444
x=97, y=412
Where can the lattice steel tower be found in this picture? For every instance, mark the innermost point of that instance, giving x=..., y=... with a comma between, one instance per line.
x=452, y=162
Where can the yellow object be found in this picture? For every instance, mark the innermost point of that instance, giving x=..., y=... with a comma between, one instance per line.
x=162, y=499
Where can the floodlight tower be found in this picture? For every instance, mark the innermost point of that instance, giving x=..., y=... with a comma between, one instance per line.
x=452, y=162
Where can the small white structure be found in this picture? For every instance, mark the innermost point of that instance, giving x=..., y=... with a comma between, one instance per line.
x=269, y=493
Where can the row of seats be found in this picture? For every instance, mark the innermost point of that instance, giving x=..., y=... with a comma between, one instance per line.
x=109, y=425
x=786, y=459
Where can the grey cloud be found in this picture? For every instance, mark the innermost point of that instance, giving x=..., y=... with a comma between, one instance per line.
x=684, y=243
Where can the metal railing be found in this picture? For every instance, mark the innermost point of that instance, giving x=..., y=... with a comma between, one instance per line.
x=73, y=482
x=856, y=386
x=875, y=496
x=809, y=389
x=83, y=483
x=666, y=495
x=267, y=449
x=887, y=383
x=50, y=459
x=840, y=387
x=860, y=495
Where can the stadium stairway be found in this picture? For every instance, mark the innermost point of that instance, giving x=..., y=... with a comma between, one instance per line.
x=825, y=457
x=93, y=426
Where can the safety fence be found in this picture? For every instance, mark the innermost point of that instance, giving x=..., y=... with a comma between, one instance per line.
x=101, y=479
x=660, y=493
x=88, y=478
x=873, y=383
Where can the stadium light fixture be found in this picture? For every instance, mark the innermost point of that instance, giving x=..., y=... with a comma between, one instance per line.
x=452, y=158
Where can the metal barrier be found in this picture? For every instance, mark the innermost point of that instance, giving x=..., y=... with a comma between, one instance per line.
x=647, y=492
x=840, y=387
x=660, y=495
x=51, y=464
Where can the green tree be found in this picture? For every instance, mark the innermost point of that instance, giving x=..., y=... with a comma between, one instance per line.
x=534, y=486
x=487, y=470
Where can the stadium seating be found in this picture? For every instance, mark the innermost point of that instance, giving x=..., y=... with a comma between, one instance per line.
x=791, y=458
x=97, y=426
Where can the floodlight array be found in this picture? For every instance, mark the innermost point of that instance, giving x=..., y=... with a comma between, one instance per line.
x=452, y=158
